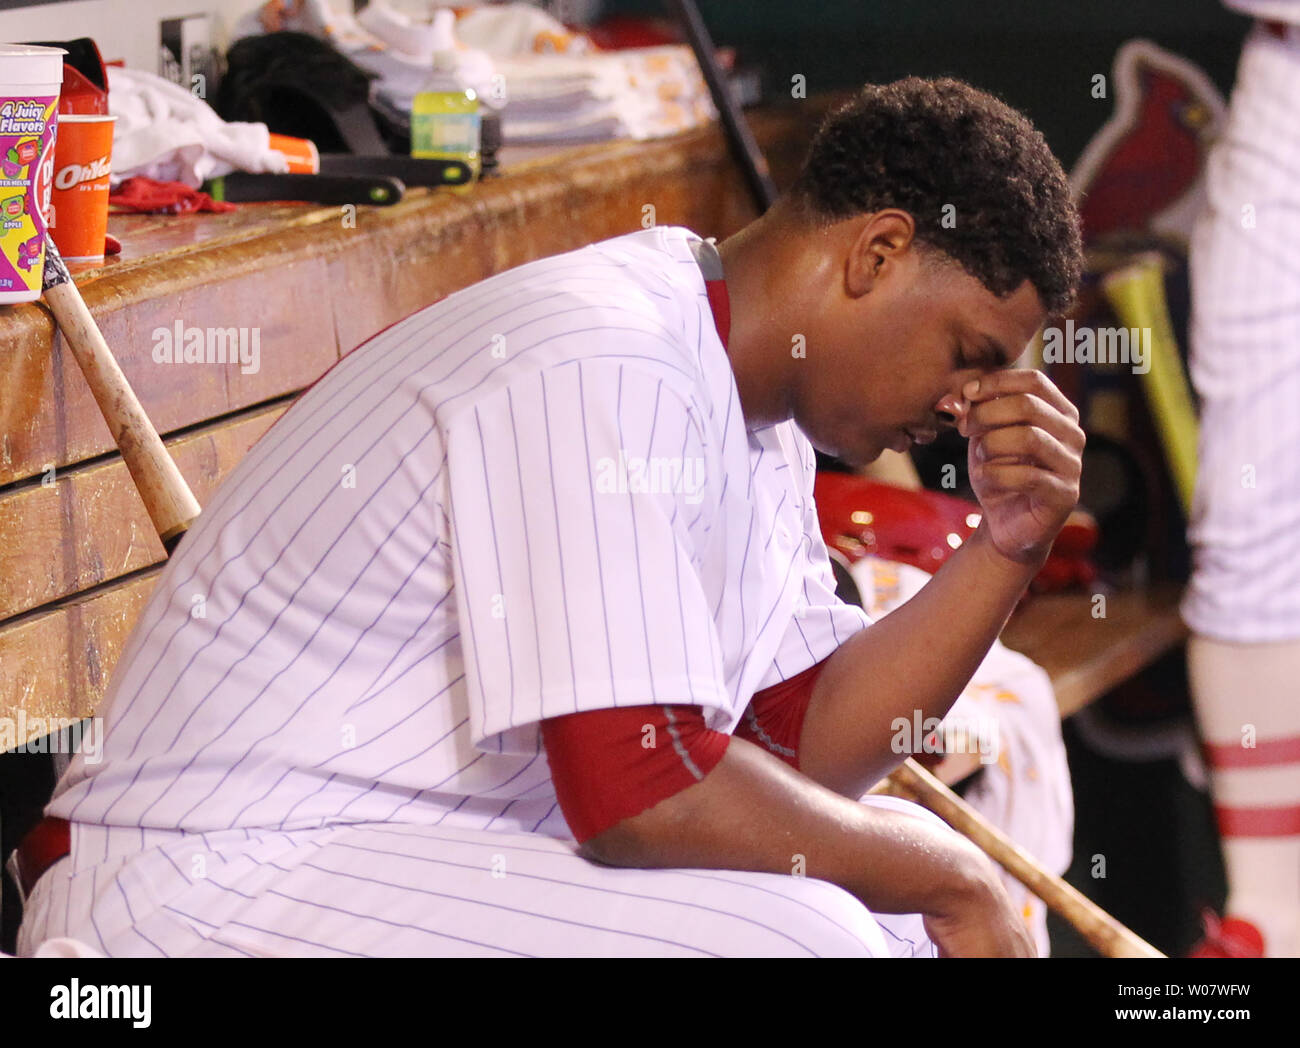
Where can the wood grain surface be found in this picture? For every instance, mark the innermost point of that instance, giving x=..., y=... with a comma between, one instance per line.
x=1085, y=655
x=89, y=526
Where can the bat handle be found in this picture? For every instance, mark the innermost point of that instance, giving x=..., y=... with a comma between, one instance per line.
x=1111, y=938
x=172, y=506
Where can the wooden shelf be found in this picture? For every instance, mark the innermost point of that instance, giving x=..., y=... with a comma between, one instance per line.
x=1087, y=656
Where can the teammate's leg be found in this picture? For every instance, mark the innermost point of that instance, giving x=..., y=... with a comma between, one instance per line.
x=1252, y=737
x=1243, y=604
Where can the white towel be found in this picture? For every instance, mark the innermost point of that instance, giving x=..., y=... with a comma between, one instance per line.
x=166, y=133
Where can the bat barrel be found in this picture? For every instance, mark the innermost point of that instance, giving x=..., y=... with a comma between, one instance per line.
x=171, y=504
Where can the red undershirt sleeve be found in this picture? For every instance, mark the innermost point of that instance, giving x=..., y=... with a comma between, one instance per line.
x=611, y=764
x=774, y=717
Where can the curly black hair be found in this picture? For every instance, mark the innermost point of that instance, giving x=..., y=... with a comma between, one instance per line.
x=921, y=145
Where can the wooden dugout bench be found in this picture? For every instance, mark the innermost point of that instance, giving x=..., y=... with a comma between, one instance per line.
x=78, y=556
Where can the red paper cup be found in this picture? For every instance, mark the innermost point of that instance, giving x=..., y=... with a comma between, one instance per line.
x=79, y=201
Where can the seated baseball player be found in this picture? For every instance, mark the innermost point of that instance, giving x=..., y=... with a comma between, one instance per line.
x=515, y=635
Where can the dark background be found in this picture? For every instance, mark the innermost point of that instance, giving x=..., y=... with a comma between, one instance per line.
x=1037, y=55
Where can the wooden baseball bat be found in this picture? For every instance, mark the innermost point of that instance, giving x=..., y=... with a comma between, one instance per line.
x=1106, y=934
x=172, y=506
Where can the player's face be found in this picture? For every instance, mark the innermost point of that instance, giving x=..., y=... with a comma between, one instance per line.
x=887, y=369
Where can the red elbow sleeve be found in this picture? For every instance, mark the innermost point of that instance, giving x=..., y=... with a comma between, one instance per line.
x=774, y=718
x=608, y=765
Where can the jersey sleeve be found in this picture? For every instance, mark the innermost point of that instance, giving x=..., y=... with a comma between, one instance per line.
x=579, y=500
x=821, y=621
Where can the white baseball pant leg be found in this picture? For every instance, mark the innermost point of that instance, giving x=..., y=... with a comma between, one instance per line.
x=421, y=891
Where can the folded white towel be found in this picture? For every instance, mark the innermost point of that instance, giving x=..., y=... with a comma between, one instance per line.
x=636, y=93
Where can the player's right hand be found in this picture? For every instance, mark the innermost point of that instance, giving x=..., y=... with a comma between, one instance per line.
x=980, y=922
x=1025, y=459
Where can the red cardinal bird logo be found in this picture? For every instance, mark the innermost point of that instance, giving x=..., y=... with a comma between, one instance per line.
x=1142, y=171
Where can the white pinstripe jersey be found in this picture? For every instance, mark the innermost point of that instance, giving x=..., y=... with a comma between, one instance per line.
x=534, y=497
x=1245, y=359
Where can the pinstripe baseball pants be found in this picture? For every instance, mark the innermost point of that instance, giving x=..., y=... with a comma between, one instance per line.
x=409, y=890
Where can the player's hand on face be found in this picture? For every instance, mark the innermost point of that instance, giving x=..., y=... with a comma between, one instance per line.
x=1025, y=459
